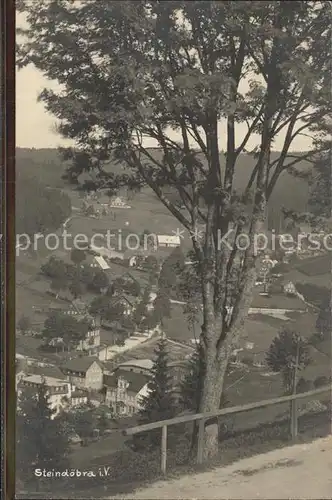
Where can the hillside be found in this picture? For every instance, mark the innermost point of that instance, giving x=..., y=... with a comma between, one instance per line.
x=48, y=167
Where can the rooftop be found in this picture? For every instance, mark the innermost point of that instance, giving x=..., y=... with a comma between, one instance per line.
x=40, y=379
x=45, y=371
x=139, y=363
x=168, y=239
x=136, y=380
x=81, y=364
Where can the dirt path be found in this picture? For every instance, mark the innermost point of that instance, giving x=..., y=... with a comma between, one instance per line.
x=301, y=471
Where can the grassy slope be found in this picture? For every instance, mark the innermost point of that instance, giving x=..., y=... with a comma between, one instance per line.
x=46, y=164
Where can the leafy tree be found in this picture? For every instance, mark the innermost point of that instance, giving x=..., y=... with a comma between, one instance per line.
x=186, y=64
x=149, y=322
x=141, y=310
x=161, y=307
x=99, y=281
x=100, y=306
x=83, y=421
x=67, y=328
x=172, y=268
x=54, y=268
x=42, y=440
x=288, y=353
x=320, y=194
x=150, y=264
x=58, y=284
x=147, y=241
x=76, y=288
x=104, y=418
x=87, y=276
x=106, y=309
x=77, y=256
x=24, y=324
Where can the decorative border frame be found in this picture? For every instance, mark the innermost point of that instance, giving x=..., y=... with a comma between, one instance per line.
x=7, y=246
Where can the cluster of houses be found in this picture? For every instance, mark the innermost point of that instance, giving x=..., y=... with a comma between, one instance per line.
x=84, y=379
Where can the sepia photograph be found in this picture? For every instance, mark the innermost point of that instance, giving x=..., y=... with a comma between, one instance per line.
x=173, y=238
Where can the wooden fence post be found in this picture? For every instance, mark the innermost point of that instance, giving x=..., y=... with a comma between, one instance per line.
x=294, y=422
x=200, y=441
x=163, y=448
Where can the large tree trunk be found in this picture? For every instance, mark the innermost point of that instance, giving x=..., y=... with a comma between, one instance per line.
x=211, y=398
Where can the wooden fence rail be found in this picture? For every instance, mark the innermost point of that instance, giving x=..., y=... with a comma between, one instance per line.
x=202, y=418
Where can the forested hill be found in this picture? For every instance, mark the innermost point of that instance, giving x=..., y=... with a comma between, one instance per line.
x=39, y=207
x=46, y=165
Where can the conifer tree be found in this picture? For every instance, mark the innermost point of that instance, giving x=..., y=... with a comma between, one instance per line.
x=42, y=439
x=159, y=403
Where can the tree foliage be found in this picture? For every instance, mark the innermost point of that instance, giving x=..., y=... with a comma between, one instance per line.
x=159, y=403
x=189, y=65
x=24, y=324
x=287, y=353
x=161, y=307
x=42, y=440
x=77, y=256
x=67, y=328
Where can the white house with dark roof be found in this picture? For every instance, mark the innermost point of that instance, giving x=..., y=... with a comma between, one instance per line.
x=58, y=390
x=168, y=241
x=85, y=372
x=124, y=390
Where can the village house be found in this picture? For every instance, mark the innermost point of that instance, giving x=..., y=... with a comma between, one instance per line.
x=167, y=241
x=58, y=390
x=118, y=202
x=124, y=390
x=78, y=398
x=26, y=368
x=85, y=372
x=128, y=304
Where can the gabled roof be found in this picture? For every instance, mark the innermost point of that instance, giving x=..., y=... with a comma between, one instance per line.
x=81, y=364
x=136, y=380
x=146, y=364
x=40, y=379
x=118, y=298
x=45, y=371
